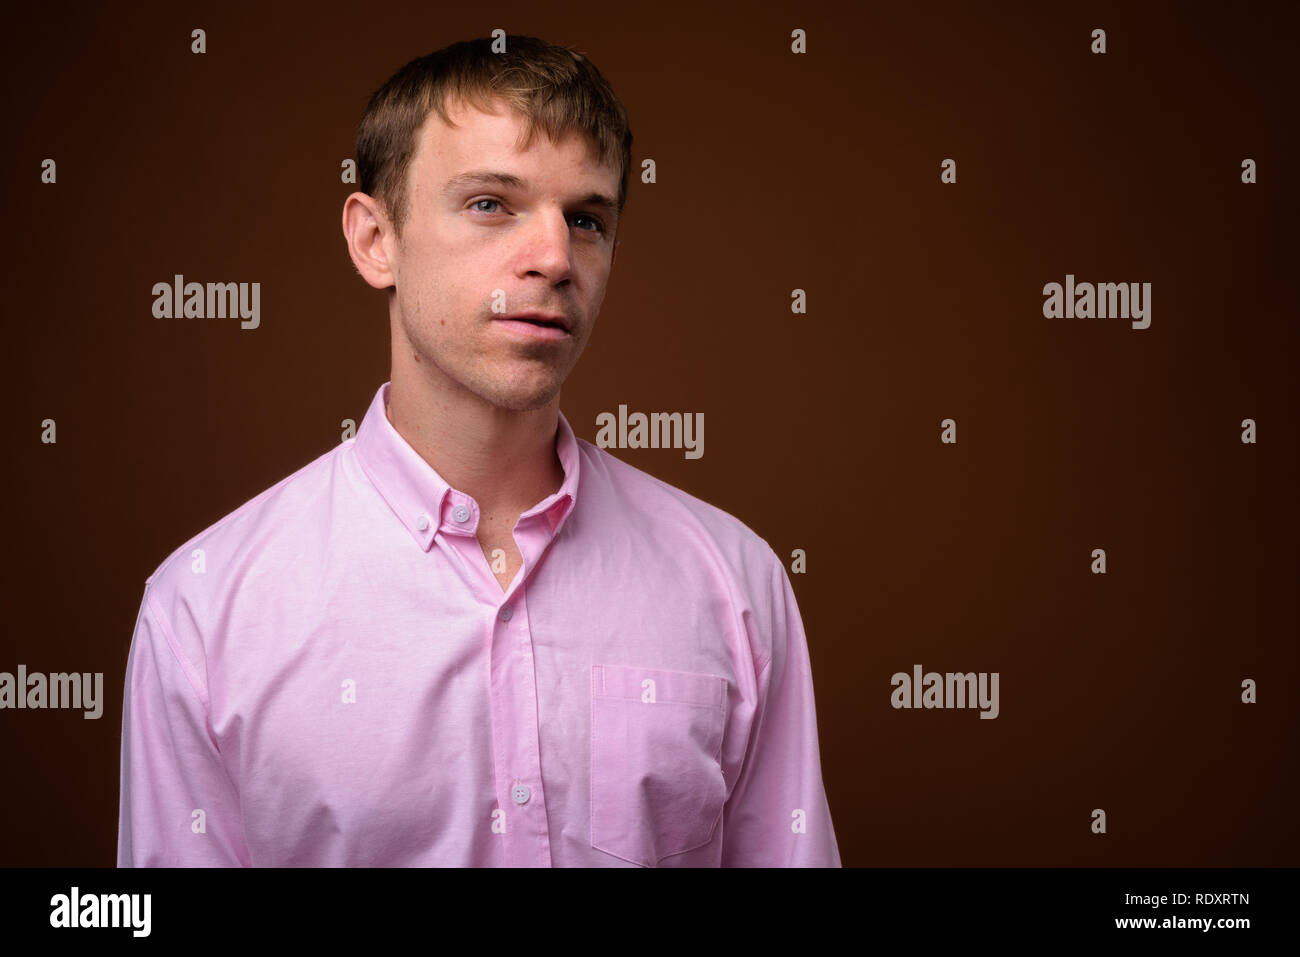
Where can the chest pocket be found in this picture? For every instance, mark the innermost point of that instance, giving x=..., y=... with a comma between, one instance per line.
x=656, y=778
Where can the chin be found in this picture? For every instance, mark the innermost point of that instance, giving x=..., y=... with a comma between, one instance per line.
x=523, y=401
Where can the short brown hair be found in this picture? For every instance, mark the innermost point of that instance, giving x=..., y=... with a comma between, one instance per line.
x=554, y=89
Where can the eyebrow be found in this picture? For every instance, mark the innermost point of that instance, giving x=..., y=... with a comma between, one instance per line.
x=485, y=177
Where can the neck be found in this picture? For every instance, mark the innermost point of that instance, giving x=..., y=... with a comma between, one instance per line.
x=505, y=460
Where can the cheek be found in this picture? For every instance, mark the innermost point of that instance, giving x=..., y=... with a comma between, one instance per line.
x=598, y=294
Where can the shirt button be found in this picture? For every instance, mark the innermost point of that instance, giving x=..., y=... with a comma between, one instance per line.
x=520, y=793
x=423, y=523
x=460, y=513
x=506, y=612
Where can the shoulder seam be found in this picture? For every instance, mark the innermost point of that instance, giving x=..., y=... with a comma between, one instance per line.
x=190, y=673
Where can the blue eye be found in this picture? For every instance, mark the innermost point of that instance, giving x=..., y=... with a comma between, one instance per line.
x=599, y=226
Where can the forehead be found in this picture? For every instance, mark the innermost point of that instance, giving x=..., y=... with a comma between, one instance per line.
x=478, y=137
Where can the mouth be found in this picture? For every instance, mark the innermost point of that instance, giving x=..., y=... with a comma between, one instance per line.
x=537, y=326
x=542, y=319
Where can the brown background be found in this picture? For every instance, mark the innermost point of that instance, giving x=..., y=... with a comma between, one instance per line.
x=775, y=172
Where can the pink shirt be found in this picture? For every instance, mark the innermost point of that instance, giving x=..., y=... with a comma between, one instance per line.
x=332, y=676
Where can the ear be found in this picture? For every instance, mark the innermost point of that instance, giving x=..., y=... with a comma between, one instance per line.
x=366, y=227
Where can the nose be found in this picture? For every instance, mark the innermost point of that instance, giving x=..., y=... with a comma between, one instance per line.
x=547, y=246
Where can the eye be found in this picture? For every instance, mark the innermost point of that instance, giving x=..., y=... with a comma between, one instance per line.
x=597, y=225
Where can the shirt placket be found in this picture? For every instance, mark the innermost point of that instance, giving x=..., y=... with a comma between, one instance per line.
x=514, y=706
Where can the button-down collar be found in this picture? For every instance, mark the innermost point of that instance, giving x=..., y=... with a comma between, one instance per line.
x=423, y=500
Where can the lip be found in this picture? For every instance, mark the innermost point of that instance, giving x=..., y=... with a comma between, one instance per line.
x=517, y=326
x=544, y=316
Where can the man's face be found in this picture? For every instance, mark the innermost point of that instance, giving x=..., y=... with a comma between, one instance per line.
x=542, y=244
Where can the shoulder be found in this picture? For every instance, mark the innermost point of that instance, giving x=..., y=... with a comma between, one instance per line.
x=671, y=516
x=703, y=547
x=267, y=528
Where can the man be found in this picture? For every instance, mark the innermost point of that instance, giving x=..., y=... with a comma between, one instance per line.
x=465, y=636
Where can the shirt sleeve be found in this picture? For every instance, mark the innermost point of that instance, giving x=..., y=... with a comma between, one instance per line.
x=179, y=806
x=777, y=814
